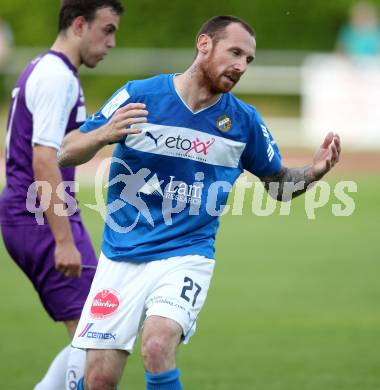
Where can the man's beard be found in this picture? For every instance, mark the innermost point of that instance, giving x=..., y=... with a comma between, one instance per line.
x=218, y=83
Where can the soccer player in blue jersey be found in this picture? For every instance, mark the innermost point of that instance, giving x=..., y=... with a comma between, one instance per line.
x=48, y=102
x=181, y=142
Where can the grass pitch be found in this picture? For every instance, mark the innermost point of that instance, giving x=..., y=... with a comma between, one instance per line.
x=294, y=305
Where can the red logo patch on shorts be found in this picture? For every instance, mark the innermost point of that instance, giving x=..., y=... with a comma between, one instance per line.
x=106, y=302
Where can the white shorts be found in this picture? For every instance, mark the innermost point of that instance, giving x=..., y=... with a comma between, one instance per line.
x=124, y=294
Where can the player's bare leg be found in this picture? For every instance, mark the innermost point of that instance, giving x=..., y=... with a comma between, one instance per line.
x=160, y=340
x=104, y=368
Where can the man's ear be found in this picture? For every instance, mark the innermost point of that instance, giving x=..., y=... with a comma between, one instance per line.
x=204, y=44
x=78, y=25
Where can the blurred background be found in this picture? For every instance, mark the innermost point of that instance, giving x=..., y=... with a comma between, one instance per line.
x=297, y=306
x=317, y=65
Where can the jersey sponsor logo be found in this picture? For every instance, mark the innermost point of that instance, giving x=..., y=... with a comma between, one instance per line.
x=105, y=303
x=186, y=143
x=224, y=123
x=191, y=148
x=115, y=103
x=200, y=146
x=88, y=333
x=183, y=192
x=175, y=189
x=188, y=146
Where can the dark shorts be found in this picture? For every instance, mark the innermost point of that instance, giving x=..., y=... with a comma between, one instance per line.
x=32, y=248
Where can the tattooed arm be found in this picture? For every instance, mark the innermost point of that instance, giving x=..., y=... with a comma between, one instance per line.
x=291, y=182
x=288, y=183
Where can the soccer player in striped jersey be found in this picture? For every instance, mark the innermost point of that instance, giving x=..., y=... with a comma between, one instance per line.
x=181, y=142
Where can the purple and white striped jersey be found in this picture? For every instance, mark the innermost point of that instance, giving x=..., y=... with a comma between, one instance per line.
x=47, y=103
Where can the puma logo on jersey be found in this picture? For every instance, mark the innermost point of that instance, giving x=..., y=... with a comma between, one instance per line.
x=150, y=135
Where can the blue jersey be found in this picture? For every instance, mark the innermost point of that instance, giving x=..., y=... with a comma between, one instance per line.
x=168, y=184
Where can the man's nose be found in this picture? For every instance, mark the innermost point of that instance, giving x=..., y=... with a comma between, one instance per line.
x=241, y=66
x=111, y=42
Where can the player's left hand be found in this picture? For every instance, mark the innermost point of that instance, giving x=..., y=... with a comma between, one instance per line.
x=68, y=259
x=326, y=156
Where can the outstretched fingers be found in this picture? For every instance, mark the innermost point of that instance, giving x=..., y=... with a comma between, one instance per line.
x=335, y=149
x=337, y=143
x=327, y=141
x=334, y=154
x=327, y=155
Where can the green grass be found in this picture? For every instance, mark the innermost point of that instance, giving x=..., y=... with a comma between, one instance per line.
x=294, y=304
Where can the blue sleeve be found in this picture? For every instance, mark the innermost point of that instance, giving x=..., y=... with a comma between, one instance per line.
x=119, y=99
x=261, y=155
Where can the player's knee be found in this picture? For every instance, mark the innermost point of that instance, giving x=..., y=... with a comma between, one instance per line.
x=154, y=347
x=95, y=380
x=156, y=353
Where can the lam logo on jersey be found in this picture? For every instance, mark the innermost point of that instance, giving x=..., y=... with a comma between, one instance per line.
x=183, y=192
x=105, y=303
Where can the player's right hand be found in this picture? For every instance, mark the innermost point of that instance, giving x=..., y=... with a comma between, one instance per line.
x=68, y=259
x=120, y=124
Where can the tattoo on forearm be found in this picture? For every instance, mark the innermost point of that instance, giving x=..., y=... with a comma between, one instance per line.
x=288, y=183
